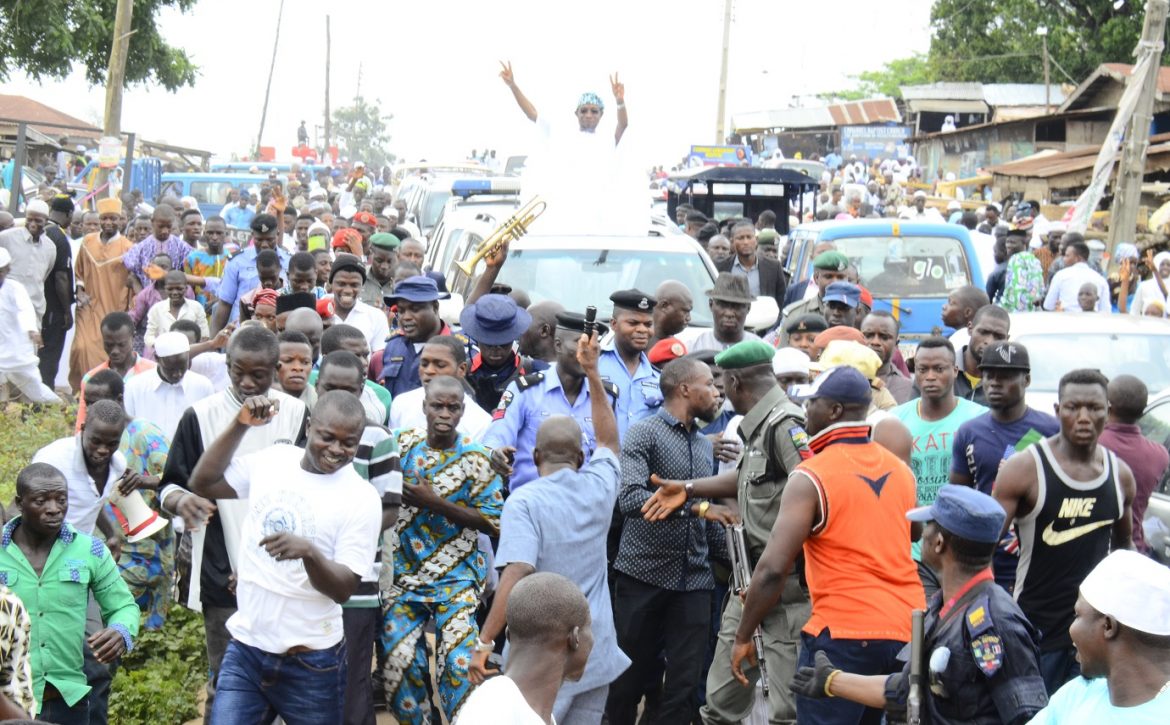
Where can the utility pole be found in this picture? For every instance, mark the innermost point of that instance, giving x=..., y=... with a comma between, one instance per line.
x=720, y=130
x=328, y=122
x=1128, y=189
x=268, y=88
x=1042, y=31
x=116, y=78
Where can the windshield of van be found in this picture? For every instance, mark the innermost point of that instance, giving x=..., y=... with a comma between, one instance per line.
x=211, y=192
x=907, y=266
x=578, y=278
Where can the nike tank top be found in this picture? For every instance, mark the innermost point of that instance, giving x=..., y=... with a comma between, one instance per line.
x=1064, y=536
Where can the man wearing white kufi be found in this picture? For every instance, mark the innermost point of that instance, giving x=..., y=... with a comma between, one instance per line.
x=20, y=338
x=1122, y=636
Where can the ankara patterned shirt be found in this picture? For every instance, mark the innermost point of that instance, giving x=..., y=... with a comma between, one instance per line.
x=434, y=556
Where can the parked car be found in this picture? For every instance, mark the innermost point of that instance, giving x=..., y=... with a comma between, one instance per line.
x=1155, y=425
x=1114, y=344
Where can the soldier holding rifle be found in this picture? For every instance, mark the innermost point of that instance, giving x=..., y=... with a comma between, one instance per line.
x=978, y=656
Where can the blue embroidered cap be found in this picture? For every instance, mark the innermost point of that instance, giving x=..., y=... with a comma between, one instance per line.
x=589, y=98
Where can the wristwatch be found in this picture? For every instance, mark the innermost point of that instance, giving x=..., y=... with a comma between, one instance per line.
x=703, y=508
x=689, y=487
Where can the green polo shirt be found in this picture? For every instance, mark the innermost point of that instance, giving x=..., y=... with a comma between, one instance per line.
x=56, y=602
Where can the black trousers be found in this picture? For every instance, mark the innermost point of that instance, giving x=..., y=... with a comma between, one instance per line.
x=53, y=336
x=651, y=621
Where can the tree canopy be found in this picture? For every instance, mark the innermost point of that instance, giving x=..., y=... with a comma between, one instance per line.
x=996, y=41
x=46, y=39
x=360, y=130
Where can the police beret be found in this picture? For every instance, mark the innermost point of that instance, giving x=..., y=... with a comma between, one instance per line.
x=575, y=321
x=666, y=350
x=810, y=322
x=745, y=354
x=831, y=260
x=384, y=240
x=632, y=299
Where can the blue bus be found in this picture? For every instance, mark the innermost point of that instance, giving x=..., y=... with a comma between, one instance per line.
x=909, y=267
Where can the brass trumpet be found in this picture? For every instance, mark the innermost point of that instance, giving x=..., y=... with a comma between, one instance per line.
x=511, y=230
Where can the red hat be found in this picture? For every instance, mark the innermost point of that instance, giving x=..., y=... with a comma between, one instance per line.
x=348, y=239
x=666, y=350
x=325, y=308
x=840, y=332
x=866, y=297
x=264, y=297
x=365, y=217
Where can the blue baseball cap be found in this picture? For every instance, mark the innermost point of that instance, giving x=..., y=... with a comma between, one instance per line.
x=842, y=384
x=419, y=288
x=965, y=512
x=845, y=292
x=494, y=320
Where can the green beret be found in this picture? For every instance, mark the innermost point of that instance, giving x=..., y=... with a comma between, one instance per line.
x=767, y=236
x=831, y=260
x=385, y=240
x=745, y=354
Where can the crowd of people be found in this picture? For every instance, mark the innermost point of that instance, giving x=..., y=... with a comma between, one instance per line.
x=499, y=519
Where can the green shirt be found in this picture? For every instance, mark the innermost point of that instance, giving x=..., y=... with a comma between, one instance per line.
x=56, y=602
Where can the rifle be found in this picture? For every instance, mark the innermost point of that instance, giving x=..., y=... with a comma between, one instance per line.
x=741, y=576
x=914, y=699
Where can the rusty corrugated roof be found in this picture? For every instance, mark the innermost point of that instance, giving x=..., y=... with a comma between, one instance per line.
x=26, y=109
x=1050, y=165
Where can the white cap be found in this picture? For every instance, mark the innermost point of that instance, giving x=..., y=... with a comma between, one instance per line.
x=789, y=360
x=359, y=164
x=171, y=343
x=954, y=206
x=319, y=229
x=1133, y=589
x=920, y=194
x=318, y=193
x=5, y=257
x=37, y=206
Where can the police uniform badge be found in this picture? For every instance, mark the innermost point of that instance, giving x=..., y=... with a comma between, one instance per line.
x=988, y=652
x=986, y=645
x=799, y=438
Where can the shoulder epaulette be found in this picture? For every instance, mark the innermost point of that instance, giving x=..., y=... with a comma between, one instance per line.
x=611, y=388
x=525, y=382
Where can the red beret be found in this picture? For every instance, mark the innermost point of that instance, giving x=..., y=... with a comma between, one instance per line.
x=325, y=308
x=666, y=350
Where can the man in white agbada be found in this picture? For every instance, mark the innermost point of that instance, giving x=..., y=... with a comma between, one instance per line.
x=20, y=338
x=589, y=188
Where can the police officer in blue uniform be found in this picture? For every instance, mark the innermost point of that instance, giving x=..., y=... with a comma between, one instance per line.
x=980, y=654
x=495, y=322
x=531, y=399
x=417, y=301
x=624, y=361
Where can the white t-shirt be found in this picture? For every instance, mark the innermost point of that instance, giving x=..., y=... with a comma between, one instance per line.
x=340, y=513
x=406, y=411
x=498, y=702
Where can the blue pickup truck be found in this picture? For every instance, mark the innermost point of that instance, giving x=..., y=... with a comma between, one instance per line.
x=909, y=267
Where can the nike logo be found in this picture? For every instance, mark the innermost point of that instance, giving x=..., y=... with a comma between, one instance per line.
x=875, y=484
x=1056, y=538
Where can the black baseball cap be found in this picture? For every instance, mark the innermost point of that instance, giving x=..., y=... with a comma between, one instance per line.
x=1006, y=356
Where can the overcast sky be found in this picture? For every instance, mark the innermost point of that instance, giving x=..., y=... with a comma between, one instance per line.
x=433, y=65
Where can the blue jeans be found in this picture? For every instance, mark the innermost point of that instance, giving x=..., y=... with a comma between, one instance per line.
x=255, y=686
x=57, y=712
x=1057, y=667
x=862, y=657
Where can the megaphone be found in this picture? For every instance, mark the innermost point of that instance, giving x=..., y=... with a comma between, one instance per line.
x=138, y=521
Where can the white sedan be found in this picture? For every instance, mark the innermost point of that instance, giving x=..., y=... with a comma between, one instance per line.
x=1115, y=344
